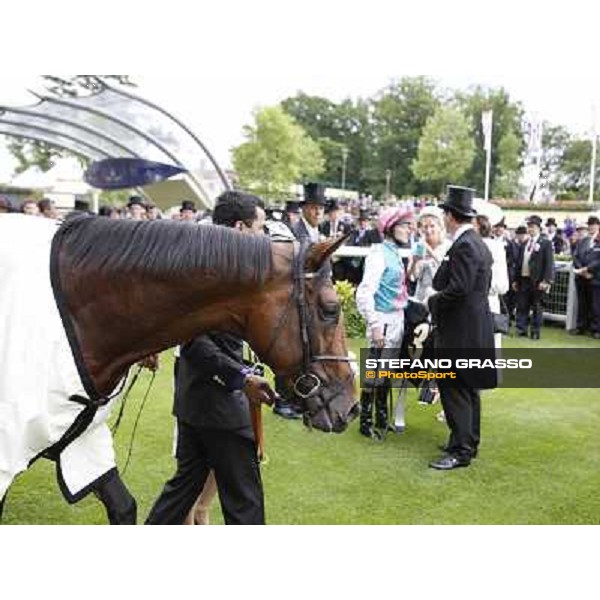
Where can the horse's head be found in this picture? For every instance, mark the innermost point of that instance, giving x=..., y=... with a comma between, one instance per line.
x=303, y=339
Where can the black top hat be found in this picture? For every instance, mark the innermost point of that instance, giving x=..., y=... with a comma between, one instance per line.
x=133, y=200
x=593, y=220
x=521, y=229
x=314, y=193
x=364, y=214
x=187, y=205
x=332, y=204
x=551, y=221
x=534, y=220
x=292, y=206
x=459, y=200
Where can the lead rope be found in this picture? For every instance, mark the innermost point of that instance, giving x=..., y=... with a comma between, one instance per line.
x=137, y=419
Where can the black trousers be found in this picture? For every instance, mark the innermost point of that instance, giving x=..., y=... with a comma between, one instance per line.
x=585, y=310
x=595, y=309
x=529, y=299
x=462, y=407
x=120, y=505
x=234, y=460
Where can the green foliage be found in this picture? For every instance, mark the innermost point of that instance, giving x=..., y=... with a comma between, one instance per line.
x=399, y=114
x=353, y=321
x=446, y=149
x=334, y=126
x=277, y=154
x=507, y=119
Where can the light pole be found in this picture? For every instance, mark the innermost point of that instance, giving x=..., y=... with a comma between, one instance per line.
x=344, y=159
x=388, y=177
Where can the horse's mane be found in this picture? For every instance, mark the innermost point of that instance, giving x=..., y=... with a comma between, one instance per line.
x=164, y=248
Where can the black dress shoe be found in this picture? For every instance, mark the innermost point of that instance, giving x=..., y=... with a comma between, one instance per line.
x=286, y=411
x=535, y=335
x=522, y=334
x=445, y=448
x=448, y=462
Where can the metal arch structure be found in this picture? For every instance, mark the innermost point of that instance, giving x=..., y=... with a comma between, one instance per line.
x=112, y=123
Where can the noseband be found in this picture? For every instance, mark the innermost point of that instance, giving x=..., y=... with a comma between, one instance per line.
x=307, y=384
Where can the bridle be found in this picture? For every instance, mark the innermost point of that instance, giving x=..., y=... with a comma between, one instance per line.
x=307, y=384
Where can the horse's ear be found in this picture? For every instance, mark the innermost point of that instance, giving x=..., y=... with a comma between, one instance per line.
x=319, y=253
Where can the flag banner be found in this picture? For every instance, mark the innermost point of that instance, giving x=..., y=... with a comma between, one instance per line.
x=122, y=173
x=486, y=124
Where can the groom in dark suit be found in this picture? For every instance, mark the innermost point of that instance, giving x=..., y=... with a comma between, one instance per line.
x=464, y=326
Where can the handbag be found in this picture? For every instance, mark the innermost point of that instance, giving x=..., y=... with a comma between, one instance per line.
x=501, y=320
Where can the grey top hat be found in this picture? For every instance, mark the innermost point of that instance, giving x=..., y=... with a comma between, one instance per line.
x=459, y=200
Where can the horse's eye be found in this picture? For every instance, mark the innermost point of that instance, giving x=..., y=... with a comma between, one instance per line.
x=330, y=312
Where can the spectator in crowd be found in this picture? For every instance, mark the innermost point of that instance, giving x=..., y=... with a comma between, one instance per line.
x=499, y=284
x=364, y=234
x=153, y=212
x=582, y=255
x=187, y=212
x=109, y=211
x=428, y=254
x=535, y=274
x=592, y=272
x=137, y=208
x=213, y=391
x=554, y=236
x=30, y=207
x=333, y=225
x=47, y=208
x=312, y=213
x=381, y=298
x=510, y=256
x=5, y=206
x=291, y=214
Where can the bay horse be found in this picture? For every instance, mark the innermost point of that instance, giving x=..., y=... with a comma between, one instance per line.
x=123, y=290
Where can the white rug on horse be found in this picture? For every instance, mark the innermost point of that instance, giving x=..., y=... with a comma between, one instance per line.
x=37, y=370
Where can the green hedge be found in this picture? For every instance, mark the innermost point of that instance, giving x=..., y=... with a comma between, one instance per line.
x=353, y=321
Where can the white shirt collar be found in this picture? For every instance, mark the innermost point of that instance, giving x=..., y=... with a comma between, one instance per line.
x=461, y=230
x=313, y=232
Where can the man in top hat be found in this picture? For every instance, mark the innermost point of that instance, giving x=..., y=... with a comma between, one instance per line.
x=137, y=208
x=510, y=251
x=312, y=213
x=461, y=312
x=588, y=302
x=363, y=234
x=535, y=274
x=333, y=224
x=187, y=212
x=553, y=234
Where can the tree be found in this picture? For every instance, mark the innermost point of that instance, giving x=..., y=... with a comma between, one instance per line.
x=555, y=141
x=398, y=116
x=446, y=149
x=507, y=117
x=575, y=167
x=509, y=164
x=277, y=154
x=335, y=127
x=41, y=154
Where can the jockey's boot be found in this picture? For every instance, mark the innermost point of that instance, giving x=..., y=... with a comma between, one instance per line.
x=381, y=408
x=399, y=423
x=120, y=505
x=366, y=413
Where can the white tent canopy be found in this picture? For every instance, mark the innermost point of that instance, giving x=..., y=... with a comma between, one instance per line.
x=112, y=122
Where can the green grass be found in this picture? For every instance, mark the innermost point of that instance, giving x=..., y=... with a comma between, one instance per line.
x=539, y=463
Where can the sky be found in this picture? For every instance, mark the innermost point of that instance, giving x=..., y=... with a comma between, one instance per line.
x=213, y=69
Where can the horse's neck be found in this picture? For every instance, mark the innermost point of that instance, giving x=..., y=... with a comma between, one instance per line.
x=139, y=316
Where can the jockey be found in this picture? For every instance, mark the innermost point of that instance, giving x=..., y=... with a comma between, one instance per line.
x=381, y=298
